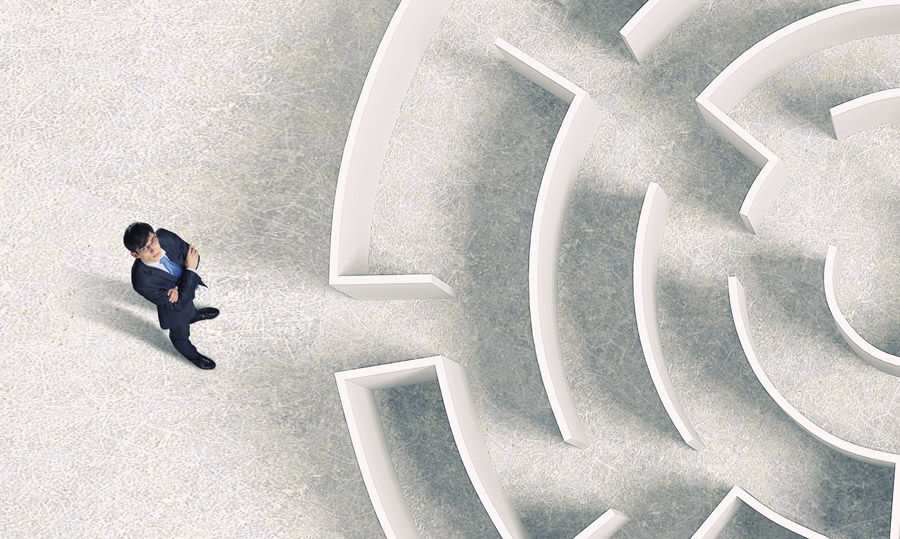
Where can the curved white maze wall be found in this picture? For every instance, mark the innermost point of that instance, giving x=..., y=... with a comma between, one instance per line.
x=855, y=20
x=738, y=299
x=566, y=155
x=392, y=71
x=646, y=263
x=879, y=359
x=357, y=388
x=653, y=22
x=865, y=112
x=725, y=511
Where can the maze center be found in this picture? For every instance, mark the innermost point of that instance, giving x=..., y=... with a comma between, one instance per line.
x=226, y=123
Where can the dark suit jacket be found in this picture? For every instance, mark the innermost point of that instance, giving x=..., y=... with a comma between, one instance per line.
x=154, y=283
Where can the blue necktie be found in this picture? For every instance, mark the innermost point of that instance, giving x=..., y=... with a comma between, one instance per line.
x=173, y=268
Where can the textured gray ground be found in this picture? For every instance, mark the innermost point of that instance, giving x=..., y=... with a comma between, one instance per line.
x=225, y=122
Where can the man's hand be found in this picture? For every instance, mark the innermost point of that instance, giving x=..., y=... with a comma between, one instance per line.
x=192, y=260
x=173, y=295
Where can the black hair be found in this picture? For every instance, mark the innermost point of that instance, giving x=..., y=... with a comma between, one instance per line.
x=136, y=236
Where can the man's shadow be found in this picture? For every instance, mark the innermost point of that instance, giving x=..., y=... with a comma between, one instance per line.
x=107, y=305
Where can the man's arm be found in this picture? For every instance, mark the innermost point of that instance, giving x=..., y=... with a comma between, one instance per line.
x=182, y=248
x=192, y=258
x=187, y=283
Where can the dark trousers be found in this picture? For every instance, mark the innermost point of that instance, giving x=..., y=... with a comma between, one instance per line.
x=181, y=339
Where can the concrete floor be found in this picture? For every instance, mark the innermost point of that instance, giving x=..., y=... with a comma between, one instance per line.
x=225, y=122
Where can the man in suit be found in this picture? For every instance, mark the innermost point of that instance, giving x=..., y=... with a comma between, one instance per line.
x=165, y=273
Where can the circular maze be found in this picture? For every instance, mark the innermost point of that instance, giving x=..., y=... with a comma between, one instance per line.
x=542, y=191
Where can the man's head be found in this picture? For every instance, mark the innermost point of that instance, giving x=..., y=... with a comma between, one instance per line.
x=141, y=242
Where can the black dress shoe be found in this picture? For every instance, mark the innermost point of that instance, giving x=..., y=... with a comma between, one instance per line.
x=206, y=313
x=203, y=362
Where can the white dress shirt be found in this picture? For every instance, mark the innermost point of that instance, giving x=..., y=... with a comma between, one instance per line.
x=160, y=266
